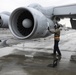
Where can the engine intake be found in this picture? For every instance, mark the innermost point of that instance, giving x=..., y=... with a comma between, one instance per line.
x=28, y=23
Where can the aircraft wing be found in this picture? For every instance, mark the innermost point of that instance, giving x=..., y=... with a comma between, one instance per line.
x=33, y=21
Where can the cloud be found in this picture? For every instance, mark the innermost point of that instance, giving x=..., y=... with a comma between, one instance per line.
x=10, y=5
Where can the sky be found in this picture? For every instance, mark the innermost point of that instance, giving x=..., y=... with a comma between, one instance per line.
x=10, y=5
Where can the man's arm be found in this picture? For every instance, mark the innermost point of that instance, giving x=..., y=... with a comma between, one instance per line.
x=54, y=30
x=51, y=30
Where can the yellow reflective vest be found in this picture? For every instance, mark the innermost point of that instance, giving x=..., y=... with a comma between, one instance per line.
x=57, y=35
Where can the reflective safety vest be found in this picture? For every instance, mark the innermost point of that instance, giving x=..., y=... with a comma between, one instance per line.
x=57, y=35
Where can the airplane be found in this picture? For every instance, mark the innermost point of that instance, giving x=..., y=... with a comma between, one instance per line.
x=4, y=18
x=33, y=21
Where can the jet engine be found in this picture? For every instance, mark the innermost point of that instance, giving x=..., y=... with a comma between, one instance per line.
x=4, y=18
x=29, y=23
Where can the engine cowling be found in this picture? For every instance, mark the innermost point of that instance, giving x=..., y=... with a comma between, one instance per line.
x=29, y=23
x=4, y=18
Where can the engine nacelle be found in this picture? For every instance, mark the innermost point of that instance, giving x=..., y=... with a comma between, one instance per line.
x=29, y=23
x=4, y=18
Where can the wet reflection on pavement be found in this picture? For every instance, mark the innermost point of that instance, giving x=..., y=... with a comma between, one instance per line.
x=21, y=65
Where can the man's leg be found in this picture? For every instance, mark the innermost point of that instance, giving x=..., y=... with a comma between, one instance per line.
x=55, y=47
x=58, y=51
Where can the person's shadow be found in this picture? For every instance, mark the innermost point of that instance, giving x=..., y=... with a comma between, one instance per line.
x=56, y=60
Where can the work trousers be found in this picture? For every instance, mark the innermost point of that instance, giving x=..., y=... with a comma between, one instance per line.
x=56, y=47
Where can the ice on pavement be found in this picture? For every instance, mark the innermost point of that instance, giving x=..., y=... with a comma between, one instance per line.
x=67, y=43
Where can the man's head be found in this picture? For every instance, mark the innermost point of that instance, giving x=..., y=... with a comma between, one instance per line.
x=57, y=26
x=56, y=19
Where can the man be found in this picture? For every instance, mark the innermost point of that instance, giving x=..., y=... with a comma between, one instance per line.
x=56, y=32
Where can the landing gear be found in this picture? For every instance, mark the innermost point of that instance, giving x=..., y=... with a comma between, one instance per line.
x=73, y=23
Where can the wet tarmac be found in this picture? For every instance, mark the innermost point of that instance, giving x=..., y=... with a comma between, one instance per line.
x=16, y=64
x=32, y=57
